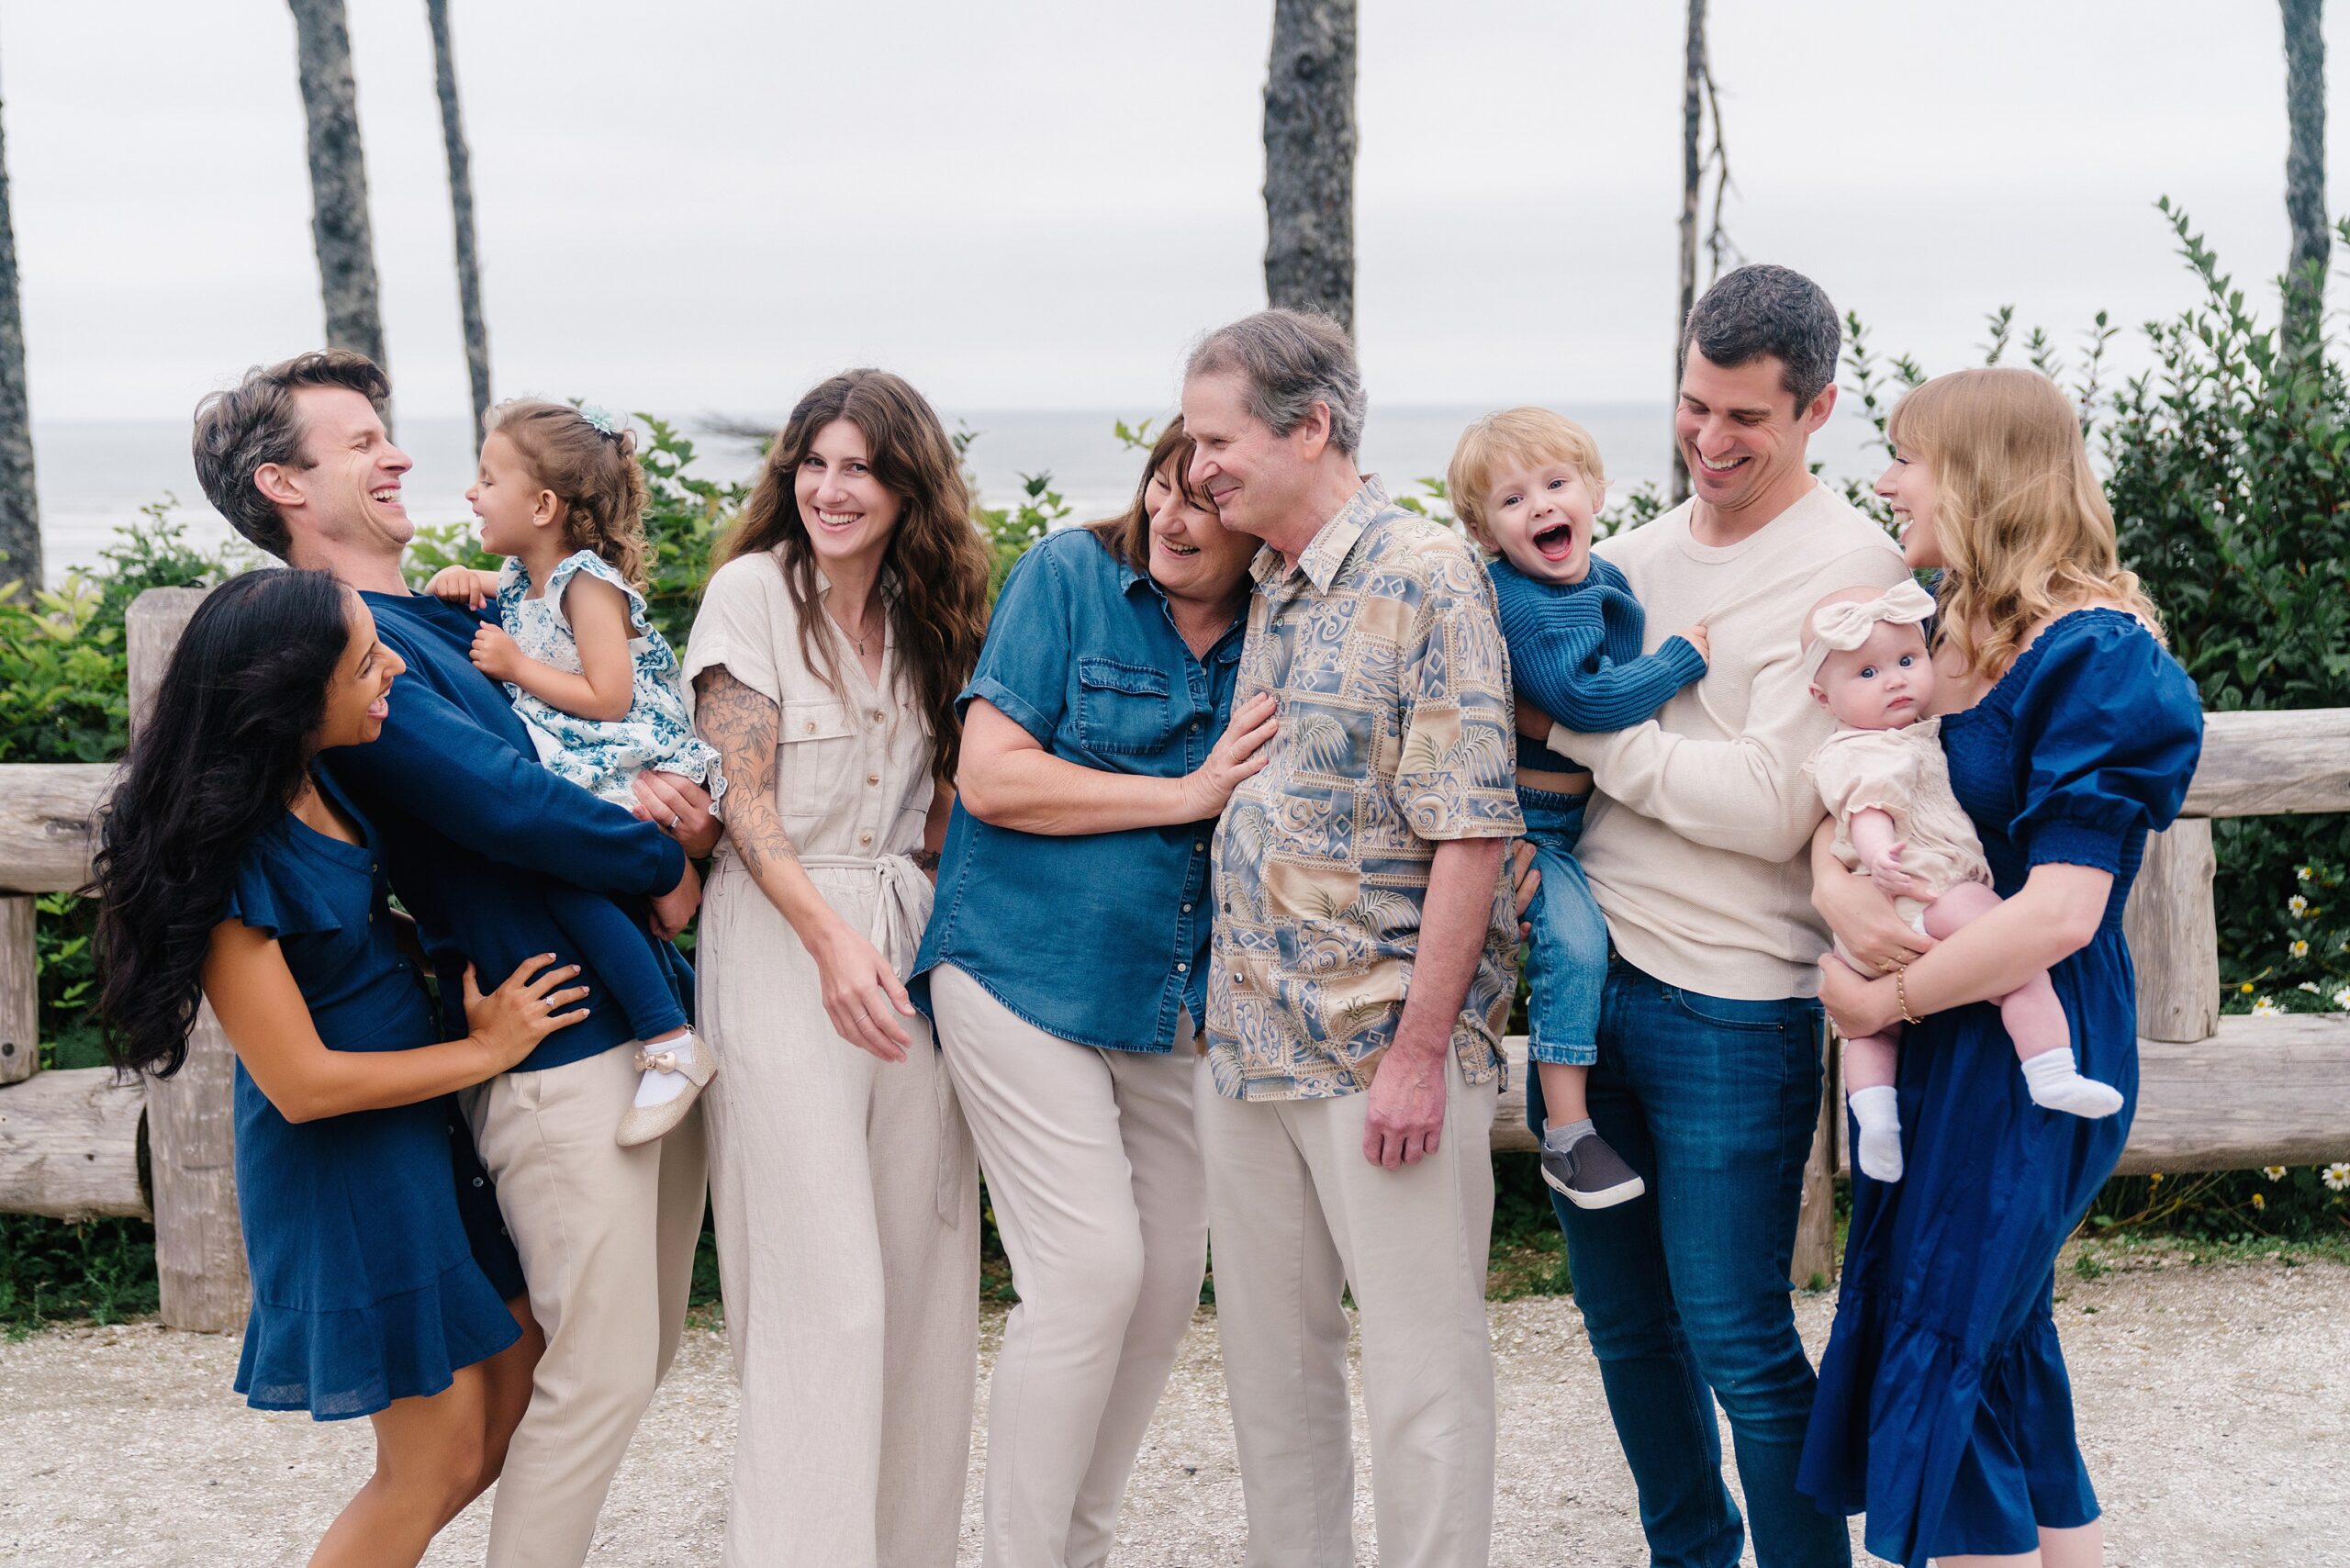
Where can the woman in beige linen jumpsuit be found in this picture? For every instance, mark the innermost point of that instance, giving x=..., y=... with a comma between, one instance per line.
x=830, y=644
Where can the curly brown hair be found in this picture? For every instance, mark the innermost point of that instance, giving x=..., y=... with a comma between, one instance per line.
x=934, y=568
x=594, y=475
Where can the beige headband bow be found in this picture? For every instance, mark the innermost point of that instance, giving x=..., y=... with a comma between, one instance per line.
x=1845, y=625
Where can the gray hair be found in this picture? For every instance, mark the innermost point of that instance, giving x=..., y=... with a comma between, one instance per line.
x=1758, y=310
x=1291, y=360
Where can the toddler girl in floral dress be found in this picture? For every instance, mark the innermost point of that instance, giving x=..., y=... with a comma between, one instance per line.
x=560, y=495
x=1885, y=781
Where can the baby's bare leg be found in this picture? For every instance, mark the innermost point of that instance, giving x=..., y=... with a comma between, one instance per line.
x=2034, y=1018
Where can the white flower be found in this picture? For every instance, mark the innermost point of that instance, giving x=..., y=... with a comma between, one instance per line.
x=2266, y=1007
x=2299, y=949
x=2337, y=1176
x=2342, y=998
x=2274, y=1172
x=2299, y=905
x=2310, y=985
x=2303, y=873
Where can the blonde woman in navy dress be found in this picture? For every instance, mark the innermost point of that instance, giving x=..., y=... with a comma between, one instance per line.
x=1944, y=1412
x=230, y=864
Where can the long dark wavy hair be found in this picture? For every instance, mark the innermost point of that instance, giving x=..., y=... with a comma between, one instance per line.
x=934, y=569
x=221, y=758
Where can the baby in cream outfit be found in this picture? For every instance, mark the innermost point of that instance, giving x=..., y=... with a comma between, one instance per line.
x=1885, y=782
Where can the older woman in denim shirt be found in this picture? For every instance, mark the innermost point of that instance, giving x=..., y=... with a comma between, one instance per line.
x=1065, y=965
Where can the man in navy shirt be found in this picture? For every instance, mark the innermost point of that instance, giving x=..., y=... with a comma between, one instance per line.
x=297, y=459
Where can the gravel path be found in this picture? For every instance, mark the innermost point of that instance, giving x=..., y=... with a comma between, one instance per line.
x=2214, y=1402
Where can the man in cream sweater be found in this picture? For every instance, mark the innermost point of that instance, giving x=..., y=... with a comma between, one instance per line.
x=1708, y=1078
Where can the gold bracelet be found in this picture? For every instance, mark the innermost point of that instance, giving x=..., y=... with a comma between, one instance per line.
x=1901, y=993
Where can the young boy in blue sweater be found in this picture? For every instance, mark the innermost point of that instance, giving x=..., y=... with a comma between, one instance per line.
x=1527, y=483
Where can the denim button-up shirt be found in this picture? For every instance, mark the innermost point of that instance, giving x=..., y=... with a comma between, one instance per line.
x=1100, y=938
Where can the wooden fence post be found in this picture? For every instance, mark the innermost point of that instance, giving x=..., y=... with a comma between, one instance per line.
x=1815, y=1254
x=191, y=1123
x=19, y=991
x=2173, y=928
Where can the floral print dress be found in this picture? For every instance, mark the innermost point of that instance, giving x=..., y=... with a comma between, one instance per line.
x=603, y=756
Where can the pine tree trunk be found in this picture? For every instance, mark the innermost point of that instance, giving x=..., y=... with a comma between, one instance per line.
x=460, y=198
x=338, y=178
x=1310, y=159
x=2305, y=169
x=1692, y=121
x=19, y=505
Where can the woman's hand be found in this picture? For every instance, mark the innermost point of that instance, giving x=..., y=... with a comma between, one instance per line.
x=1237, y=752
x=1532, y=722
x=458, y=584
x=509, y=1022
x=1864, y=922
x=1861, y=1007
x=680, y=808
x=495, y=653
x=860, y=989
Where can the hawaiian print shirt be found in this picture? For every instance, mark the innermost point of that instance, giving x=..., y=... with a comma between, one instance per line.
x=1381, y=648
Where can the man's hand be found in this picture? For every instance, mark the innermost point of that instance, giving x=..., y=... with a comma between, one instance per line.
x=495, y=653
x=1403, y=1118
x=674, y=909
x=679, y=807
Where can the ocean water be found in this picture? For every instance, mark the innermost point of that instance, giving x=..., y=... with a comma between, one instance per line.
x=94, y=475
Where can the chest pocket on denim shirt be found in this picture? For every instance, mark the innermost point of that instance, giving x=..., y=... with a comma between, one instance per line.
x=1122, y=708
x=815, y=757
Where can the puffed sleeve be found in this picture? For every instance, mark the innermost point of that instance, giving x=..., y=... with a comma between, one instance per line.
x=1023, y=665
x=1862, y=770
x=2108, y=729
x=276, y=899
x=744, y=609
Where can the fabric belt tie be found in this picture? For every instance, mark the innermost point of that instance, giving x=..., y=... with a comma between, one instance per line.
x=898, y=915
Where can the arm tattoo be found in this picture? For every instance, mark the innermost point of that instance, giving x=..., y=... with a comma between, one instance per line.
x=741, y=725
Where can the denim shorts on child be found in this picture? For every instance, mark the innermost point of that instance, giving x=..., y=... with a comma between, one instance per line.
x=1566, y=964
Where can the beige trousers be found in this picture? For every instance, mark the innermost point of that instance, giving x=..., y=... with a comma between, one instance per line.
x=846, y=1199
x=607, y=1237
x=1092, y=1163
x=1296, y=1214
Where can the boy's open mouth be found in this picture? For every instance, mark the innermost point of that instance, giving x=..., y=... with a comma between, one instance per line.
x=1556, y=543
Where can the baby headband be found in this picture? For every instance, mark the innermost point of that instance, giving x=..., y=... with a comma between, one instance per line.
x=1844, y=626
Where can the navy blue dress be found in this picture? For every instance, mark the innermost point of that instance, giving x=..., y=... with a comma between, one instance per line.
x=374, y=1279
x=1944, y=1411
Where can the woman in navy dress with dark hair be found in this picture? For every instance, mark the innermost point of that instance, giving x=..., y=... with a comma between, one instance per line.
x=383, y=1285
x=1944, y=1412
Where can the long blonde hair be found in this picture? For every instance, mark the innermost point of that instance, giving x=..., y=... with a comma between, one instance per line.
x=2024, y=524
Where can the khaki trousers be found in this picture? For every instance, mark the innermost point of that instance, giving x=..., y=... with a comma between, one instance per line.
x=606, y=1238
x=1092, y=1163
x=1296, y=1214
x=847, y=1200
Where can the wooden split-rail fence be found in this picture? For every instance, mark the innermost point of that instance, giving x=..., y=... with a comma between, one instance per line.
x=2215, y=1094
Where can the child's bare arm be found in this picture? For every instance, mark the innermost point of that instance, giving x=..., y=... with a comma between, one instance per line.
x=1876, y=839
x=463, y=585
x=599, y=626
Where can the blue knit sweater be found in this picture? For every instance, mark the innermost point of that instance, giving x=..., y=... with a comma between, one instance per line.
x=1574, y=651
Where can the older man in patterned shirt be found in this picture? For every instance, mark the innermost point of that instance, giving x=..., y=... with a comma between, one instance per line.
x=1362, y=967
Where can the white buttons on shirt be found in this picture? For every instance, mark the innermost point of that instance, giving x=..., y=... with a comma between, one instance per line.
x=1182, y=968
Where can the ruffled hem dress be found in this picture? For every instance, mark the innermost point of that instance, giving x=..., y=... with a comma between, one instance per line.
x=600, y=755
x=379, y=1263
x=1944, y=1411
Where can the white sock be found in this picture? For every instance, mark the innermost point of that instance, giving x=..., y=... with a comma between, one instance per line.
x=1878, y=1112
x=2057, y=1084
x=658, y=1087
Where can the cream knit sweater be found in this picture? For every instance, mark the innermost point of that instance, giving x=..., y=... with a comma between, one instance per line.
x=1698, y=848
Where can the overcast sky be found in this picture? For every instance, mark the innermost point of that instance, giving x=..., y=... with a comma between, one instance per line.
x=706, y=205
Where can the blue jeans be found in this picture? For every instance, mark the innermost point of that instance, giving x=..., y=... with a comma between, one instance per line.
x=1686, y=1296
x=1566, y=959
